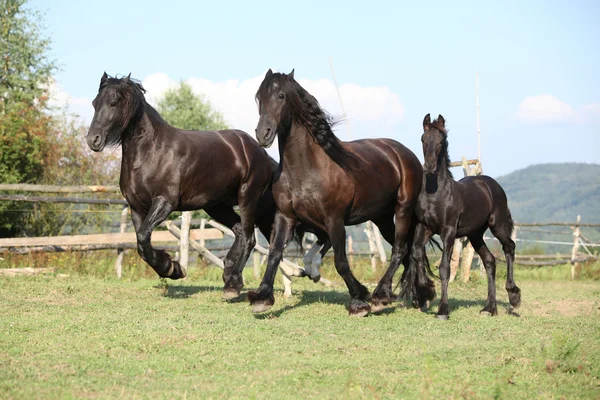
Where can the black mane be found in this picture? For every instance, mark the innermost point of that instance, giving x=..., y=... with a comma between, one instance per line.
x=442, y=128
x=306, y=110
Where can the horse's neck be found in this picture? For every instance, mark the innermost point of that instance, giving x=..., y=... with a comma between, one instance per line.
x=300, y=153
x=143, y=133
x=444, y=180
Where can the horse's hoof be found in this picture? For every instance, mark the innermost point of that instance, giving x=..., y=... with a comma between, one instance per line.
x=230, y=294
x=260, y=302
x=485, y=313
x=316, y=278
x=442, y=317
x=260, y=307
x=358, y=308
x=425, y=307
x=514, y=297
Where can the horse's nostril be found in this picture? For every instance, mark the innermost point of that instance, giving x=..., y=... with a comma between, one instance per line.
x=97, y=140
x=268, y=130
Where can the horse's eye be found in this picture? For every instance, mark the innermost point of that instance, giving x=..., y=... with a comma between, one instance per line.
x=281, y=96
x=113, y=104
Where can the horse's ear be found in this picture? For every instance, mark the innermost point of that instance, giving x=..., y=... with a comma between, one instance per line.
x=128, y=78
x=104, y=77
x=427, y=122
x=269, y=73
x=291, y=74
x=441, y=121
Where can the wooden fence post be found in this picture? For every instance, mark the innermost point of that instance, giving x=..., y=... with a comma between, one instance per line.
x=575, y=250
x=256, y=257
x=372, y=246
x=455, y=258
x=379, y=243
x=121, y=252
x=184, y=243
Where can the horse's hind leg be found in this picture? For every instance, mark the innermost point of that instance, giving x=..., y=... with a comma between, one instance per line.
x=502, y=230
x=225, y=215
x=144, y=224
x=490, y=268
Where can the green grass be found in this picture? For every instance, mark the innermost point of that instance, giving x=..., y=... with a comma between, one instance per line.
x=86, y=336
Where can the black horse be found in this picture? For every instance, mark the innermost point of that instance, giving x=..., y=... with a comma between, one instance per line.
x=458, y=209
x=166, y=169
x=326, y=184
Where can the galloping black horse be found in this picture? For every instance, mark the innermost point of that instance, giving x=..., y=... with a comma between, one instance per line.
x=325, y=183
x=166, y=169
x=458, y=209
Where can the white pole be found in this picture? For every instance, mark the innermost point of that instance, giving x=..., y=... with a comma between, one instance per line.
x=340, y=99
x=477, y=107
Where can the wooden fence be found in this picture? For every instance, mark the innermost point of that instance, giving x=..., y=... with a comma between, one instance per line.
x=196, y=238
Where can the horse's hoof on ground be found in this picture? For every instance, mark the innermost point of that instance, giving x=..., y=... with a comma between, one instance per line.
x=358, y=308
x=260, y=302
x=316, y=278
x=230, y=294
x=442, y=317
x=513, y=312
x=485, y=313
x=260, y=307
x=514, y=298
x=425, y=307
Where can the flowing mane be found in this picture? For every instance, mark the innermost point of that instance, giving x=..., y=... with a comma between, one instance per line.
x=442, y=128
x=306, y=110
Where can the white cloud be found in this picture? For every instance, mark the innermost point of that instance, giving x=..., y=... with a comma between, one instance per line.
x=235, y=99
x=79, y=106
x=545, y=108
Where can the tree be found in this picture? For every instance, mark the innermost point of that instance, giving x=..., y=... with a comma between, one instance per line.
x=25, y=74
x=180, y=107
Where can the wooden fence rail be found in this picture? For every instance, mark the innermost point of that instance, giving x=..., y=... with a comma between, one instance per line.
x=23, y=187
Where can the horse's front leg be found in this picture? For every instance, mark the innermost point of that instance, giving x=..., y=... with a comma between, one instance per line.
x=448, y=235
x=263, y=299
x=159, y=260
x=383, y=295
x=358, y=292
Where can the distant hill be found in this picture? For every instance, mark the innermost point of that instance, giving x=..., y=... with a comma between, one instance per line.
x=554, y=193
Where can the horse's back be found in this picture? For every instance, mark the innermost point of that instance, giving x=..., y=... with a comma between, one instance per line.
x=484, y=194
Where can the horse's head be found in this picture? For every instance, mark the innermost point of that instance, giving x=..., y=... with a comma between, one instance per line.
x=434, y=142
x=273, y=107
x=115, y=105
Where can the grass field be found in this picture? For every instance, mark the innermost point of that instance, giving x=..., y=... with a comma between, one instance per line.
x=84, y=336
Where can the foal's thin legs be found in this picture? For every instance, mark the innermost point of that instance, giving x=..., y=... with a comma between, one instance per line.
x=159, y=260
x=448, y=235
x=490, y=268
x=502, y=232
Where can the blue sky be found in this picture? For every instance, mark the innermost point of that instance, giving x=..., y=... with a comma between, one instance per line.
x=395, y=61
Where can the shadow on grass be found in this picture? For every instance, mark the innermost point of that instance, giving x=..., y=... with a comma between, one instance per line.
x=184, y=292
x=307, y=297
